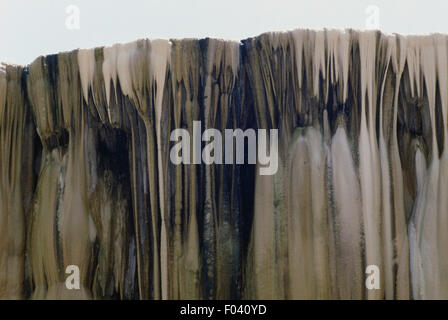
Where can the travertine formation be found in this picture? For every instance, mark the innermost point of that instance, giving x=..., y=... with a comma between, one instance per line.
x=86, y=178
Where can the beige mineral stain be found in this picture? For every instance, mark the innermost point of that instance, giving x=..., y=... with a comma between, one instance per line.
x=86, y=180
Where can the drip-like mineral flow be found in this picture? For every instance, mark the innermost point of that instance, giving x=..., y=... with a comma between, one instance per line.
x=86, y=177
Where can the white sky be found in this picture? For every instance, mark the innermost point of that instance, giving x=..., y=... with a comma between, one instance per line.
x=29, y=28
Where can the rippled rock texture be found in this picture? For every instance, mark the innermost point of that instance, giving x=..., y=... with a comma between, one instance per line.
x=86, y=177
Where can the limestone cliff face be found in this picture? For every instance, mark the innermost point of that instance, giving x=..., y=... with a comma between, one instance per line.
x=86, y=177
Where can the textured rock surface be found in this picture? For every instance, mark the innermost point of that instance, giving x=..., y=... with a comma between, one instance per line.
x=86, y=179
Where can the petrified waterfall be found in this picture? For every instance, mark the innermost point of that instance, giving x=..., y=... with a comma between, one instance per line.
x=86, y=177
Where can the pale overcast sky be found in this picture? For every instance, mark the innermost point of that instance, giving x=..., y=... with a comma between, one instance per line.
x=29, y=28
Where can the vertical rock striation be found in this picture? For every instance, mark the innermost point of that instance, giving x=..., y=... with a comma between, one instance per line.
x=86, y=177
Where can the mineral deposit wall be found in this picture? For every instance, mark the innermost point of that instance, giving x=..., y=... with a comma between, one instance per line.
x=86, y=177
